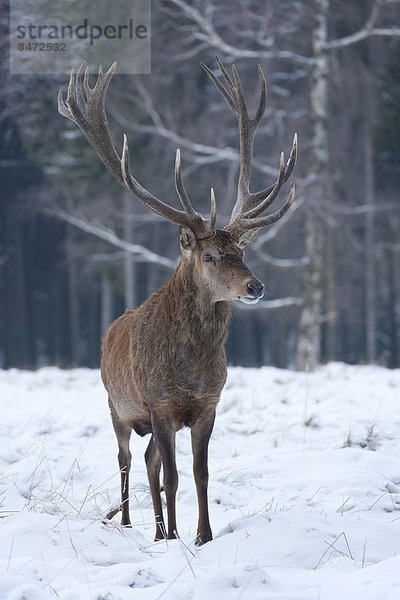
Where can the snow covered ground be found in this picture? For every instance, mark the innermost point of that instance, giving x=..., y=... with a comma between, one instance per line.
x=304, y=492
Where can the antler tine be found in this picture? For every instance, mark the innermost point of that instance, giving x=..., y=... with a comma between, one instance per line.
x=62, y=107
x=239, y=95
x=86, y=107
x=258, y=196
x=77, y=88
x=226, y=76
x=246, y=130
x=263, y=97
x=257, y=210
x=183, y=197
x=164, y=210
x=213, y=211
x=90, y=115
x=275, y=216
x=234, y=97
x=86, y=86
x=249, y=206
x=220, y=87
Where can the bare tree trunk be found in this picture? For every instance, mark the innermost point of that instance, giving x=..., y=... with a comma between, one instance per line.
x=6, y=293
x=309, y=332
x=393, y=309
x=106, y=304
x=73, y=298
x=330, y=351
x=257, y=328
x=94, y=341
x=370, y=269
x=23, y=316
x=281, y=360
x=129, y=262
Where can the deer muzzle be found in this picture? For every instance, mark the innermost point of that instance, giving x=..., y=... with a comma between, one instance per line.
x=255, y=291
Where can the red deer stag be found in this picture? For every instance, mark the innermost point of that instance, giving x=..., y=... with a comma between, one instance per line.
x=164, y=363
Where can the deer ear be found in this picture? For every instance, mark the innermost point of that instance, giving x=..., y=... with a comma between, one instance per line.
x=187, y=239
x=247, y=237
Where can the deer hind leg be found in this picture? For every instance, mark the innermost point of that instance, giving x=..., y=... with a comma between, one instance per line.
x=164, y=435
x=201, y=433
x=123, y=433
x=153, y=464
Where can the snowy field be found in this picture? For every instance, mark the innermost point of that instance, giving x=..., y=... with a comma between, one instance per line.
x=304, y=492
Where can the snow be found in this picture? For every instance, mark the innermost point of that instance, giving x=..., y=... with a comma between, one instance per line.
x=304, y=492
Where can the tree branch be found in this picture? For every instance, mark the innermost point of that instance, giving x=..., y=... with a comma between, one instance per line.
x=270, y=304
x=394, y=246
x=361, y=209
x=108, y=235
x=283, y=263
x=205, y=154
x=366, y=31
x=208, y=35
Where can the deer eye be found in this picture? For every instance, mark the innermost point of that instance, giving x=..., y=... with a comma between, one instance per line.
x=208, y=257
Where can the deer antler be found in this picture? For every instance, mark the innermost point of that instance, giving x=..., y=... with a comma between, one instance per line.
x=86, y=107
x=245, y=219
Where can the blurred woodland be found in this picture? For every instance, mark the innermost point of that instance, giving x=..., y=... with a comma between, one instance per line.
x=76, y=250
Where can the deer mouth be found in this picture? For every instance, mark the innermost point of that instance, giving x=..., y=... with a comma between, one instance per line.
x=249, y=299
x=256, y=290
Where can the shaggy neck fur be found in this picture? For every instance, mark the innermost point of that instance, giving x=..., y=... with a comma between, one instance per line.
x=190, y=308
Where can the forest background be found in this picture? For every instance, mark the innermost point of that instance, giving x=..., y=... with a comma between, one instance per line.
x=76, y=250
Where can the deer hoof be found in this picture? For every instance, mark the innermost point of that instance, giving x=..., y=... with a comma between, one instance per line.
x=202, y=539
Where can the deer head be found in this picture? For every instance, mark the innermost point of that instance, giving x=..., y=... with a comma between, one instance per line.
x=217, y=254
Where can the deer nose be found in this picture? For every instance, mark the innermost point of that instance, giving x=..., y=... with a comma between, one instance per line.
x=256, y=289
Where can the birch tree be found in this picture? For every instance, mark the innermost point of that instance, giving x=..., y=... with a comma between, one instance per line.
x=208, y=32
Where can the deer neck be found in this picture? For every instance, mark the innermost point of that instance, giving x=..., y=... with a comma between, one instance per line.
x=193, y=308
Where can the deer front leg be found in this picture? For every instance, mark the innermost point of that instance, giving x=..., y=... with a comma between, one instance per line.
x=201, y=433
x=153, y=464
x=164, y=435
x=123, y=433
